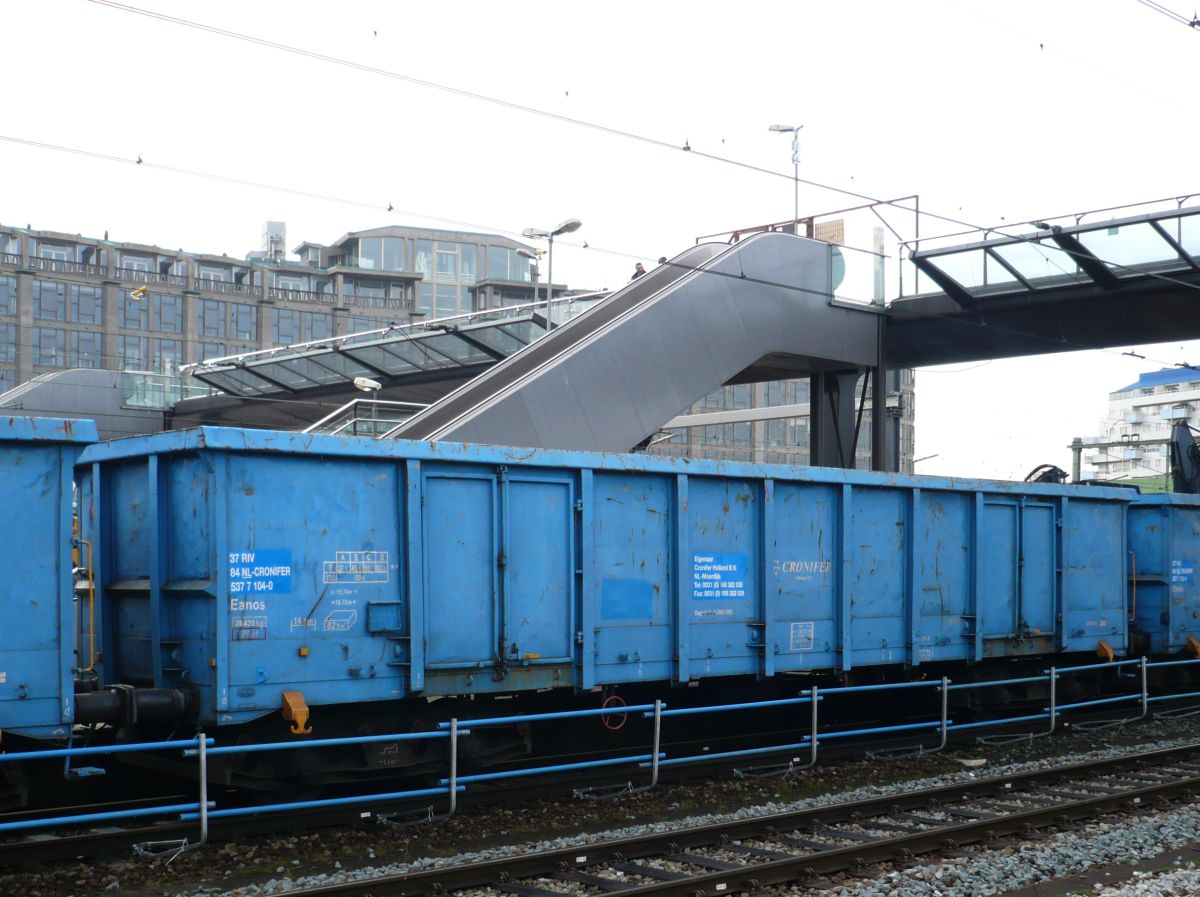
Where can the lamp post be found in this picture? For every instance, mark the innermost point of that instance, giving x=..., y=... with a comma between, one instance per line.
x=566, y=227
x=533, y=267
x=794, y=130
x=366, y=384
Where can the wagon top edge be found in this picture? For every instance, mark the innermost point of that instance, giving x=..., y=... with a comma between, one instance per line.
x=228, y=439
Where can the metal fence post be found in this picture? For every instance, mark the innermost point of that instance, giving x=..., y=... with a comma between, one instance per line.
x=812, y=698
x=654, y=761
x=174, y=848
x=453, y=766
x=945, y=712
x=1145, y=691
x=1053, y=700
x=203, y=755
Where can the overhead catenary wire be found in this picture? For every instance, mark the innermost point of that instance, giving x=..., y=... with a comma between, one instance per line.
x=1193, y=22
x=373, y=205
x=612, y=130
x=524, y=108
x=507, y=104
x=536, y=111
x=1028, y=238
x=1059, y=342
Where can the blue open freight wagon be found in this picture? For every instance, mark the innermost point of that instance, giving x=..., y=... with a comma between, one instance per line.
x=267, y=570
x=37, y=645
x=1164, y=549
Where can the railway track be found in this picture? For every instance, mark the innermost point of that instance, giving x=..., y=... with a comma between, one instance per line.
x=749, y=854
x=115, y=840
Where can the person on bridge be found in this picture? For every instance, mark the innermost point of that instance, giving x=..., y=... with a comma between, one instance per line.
x=638, y=271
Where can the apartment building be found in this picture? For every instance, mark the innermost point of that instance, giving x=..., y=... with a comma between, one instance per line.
x=1134, y=434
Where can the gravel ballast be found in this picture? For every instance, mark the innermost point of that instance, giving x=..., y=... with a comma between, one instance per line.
x=1123, y=840
x=264, y=866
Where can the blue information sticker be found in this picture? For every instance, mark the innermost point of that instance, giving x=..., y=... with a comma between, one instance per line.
x=262, y=571
x=718, y=575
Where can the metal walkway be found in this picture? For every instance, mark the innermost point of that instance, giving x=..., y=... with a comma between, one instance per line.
x=1076, y=285
x=605, y=381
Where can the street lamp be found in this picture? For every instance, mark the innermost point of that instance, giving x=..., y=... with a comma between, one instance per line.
x=533, y=268
x=366, y=384
x=794, y=130
x=566, y=227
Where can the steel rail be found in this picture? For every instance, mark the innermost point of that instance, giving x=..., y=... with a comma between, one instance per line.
x=505, y=874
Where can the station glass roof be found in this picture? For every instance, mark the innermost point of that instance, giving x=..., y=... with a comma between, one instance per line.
x=386, y=355
x=1101, y=253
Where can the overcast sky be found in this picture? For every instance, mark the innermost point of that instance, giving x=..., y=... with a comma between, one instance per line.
x=992, y=113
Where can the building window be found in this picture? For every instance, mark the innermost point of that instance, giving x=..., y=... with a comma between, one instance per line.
x=497, y=268
x=715, y=399
x=209, y=351
x=87, y=349
x=211, y=315
x=243, y=321
x=49, y=300
x=133, y=353
x=363, y=290
x=317, y=325
x=287, y=327
x=87, y=304
x=214, y=272
x=773, y=436
x=136, y=262
x=445, y=300
x=166, y=355
x=466, y=260
x=798, y=432
x=8, y=343
x=381, y=253
x=291, y=282
x=423, y=262
x=54, y=251
x=357, y=324
x=505, y=264
x=446, y=260
x=8, y=295
x=168, y=312
x=49, y=346
x=133, y=314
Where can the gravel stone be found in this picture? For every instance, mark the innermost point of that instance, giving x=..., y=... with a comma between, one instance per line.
x=1005, y=879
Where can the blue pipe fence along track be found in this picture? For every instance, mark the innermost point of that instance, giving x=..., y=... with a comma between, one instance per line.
x=202, y=747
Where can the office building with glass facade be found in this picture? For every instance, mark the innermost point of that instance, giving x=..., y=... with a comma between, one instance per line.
x=68, y=301
x=768, y=423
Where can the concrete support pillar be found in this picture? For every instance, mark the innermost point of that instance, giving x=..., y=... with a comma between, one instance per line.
x=110, y=344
